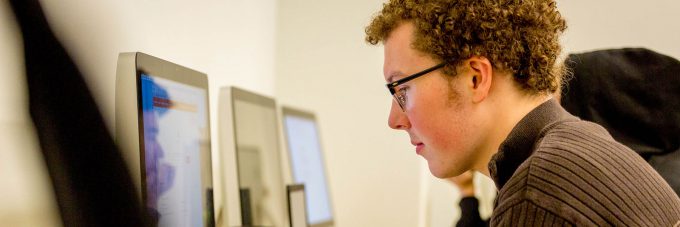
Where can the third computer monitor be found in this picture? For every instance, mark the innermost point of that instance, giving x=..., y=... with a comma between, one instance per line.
x=307, y=164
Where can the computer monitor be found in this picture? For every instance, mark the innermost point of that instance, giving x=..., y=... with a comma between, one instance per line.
x=261, y=186
x=163, y=130
x=307, y=163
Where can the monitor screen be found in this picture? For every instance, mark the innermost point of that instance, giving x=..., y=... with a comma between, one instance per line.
x=307, y=164
x=260, y=179
x=175, y=130
x=162, y=118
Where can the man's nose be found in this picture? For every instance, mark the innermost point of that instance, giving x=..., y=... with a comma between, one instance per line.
x=398, y=119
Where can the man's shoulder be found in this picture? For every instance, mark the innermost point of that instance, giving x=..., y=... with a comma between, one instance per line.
x=582, y=156
x=580, y=173
x=562, y=150
x=577, y=131
x=582, y=149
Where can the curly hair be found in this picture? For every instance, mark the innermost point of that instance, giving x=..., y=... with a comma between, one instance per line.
x=519, y=36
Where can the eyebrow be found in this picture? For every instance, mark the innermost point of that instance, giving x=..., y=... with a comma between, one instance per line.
x=391, y=79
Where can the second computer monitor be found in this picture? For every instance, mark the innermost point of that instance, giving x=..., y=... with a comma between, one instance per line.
x=261, y=186
x=307, y=164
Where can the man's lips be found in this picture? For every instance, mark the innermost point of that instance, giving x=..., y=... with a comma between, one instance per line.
x=419, y=146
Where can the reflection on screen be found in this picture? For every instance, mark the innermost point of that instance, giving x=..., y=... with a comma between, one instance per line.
x=175, y=130
x=307, y=165
x=259, y=168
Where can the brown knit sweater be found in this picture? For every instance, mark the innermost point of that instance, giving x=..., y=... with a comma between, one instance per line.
x=554, y=169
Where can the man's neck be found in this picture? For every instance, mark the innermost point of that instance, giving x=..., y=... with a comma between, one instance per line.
x=510, y=109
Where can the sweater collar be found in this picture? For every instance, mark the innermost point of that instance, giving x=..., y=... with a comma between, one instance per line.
x=519, y=144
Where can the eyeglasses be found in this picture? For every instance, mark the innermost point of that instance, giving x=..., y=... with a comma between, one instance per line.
x=400, y=95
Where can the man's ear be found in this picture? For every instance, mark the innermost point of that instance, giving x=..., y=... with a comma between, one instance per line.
x=482, y=74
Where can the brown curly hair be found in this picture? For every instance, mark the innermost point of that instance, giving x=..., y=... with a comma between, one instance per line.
x=520, y=36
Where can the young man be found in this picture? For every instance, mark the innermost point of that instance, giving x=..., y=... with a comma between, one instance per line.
x=471, y=81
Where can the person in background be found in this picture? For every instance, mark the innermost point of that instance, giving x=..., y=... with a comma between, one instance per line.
x=469, y=204
x=471, y=83
x=635, y=94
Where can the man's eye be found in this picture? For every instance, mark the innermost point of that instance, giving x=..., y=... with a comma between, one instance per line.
x=402, y=99
x=402, y=94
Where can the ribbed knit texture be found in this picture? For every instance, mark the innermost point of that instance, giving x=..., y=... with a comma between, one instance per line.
x=554, y=169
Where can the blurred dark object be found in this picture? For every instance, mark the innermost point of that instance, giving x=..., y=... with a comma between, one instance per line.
x=246, y=207
x=469, y=213
x=91, y=182
x=635, y=94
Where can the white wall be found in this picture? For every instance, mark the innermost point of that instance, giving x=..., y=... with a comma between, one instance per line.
x=615, y=24
x=232, y=41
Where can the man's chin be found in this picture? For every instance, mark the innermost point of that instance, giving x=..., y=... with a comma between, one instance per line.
x=438, y=173
x=443, y=173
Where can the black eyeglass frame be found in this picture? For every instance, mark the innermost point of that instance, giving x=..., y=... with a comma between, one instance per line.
x=394, y=84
